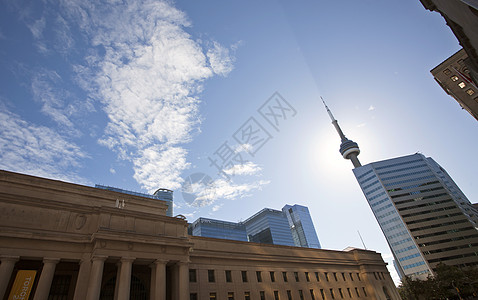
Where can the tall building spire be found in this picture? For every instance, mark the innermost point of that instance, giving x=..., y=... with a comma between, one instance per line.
x=349, y=149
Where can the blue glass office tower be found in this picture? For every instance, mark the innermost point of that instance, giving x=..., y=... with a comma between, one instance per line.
x=160, y=194
x=302, y=228
x=218, y=229
x=290, y=227
x=269, y=226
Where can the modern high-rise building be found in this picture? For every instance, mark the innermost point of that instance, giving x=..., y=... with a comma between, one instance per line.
x=425, y=217
x=302, y=228
x=292, y=226
x=160, y=194
x=269, y=226
x=206, y=227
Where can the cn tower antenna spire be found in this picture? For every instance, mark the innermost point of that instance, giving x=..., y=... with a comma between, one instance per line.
x=349, y=149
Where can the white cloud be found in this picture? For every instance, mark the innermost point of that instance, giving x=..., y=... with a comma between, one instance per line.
x=37, y=27
x=147, y=71
x=229, y=190
x=112, y=171
x=37, y=150
x=248, y=168
x=220, y=60
x=361, y=125
x=371, y=107
x=217, y=207
x=45, y=90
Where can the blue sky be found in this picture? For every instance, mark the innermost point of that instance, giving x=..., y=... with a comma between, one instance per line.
x=141, y=95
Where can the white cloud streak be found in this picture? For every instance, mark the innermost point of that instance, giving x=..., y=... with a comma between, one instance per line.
x=223, y=189
x=37, y=150
x=248, y=168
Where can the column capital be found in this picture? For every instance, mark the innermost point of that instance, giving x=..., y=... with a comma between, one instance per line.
x=160, y=261
x=99, y=257
x=183, y=263
x=127, y=259
x=11, y=258
x=51, y=260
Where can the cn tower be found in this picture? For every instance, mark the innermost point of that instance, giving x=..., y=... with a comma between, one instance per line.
x=348, y=148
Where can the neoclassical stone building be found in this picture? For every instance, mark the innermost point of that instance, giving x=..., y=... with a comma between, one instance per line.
x=65, y=241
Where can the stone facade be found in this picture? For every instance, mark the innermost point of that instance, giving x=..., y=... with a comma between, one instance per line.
x=88, y=243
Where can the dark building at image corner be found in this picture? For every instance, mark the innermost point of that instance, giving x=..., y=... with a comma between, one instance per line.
x=66, y=241
x=458, y=75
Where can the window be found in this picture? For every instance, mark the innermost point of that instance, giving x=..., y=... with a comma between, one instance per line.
x=192, y=275
x=247, y=295
x=454, y=78
x=259, y=276
x=322, y=294
x=210, y=276
x=358, y=276
x=312, y=296
x=364, y=291
x=301, y=295
x=375, y=275
x=230, y=295
x=341, y=294
x=343, y=277
x=276, y=295
x=470, y=92
x=356, y=291
x=289, y=295
x=212, y=296
x=307, y=276
x=228, y=276
x=351, y=277
x=273, y=276
x=296, y=275
x=350, y=294
x=335, y=276
x=263, y=295
x=193, y=296
x=447, y=71
x=244, y=276
x=462, y=85
x=332, y=293
x=284, y=275
x=317, y=276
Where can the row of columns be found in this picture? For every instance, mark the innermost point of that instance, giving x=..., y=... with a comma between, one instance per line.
x=88, y=284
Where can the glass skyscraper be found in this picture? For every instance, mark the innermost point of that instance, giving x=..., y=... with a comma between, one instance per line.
x=424, y=216
x=269, y=226
x=290, y=227
x=302, y=228
x=218, y=229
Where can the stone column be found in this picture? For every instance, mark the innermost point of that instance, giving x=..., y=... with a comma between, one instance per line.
x=82, y=281
x=183, y=280
x=46, y=277
x=118, y=275
x=158, y=280
x=6, y=269
x=125, y=278
x=96, y=275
